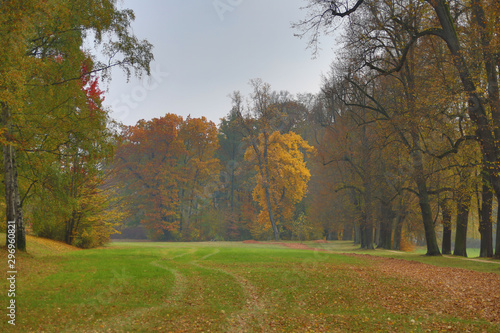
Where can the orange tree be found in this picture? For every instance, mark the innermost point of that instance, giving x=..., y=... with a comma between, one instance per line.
x=164, y=169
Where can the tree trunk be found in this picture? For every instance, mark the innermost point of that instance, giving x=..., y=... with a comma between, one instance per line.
x=14, y=211
x=446, y=235
x=423, y=197
x=385, y=226
x=362, y=236
x=9, y=187
x=485, y=221
x=398, y=231
x=357, y=233
x=265, y=170
x=463, y=206
x=497, y=246
x=368, y=235
x=490, y=58
x=446, y=212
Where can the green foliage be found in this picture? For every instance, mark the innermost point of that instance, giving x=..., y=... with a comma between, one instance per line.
x=52, y=111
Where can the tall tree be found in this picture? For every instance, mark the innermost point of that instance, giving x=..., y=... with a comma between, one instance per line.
x=69, y=166
x=260, y=121
x=199, y=166
x=285, y=175
x=47, y=39
x=449, y=23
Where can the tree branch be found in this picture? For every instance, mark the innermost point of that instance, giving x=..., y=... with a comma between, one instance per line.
x=416, y=35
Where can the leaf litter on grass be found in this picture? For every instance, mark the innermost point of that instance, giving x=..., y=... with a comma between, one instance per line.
x=272, y=289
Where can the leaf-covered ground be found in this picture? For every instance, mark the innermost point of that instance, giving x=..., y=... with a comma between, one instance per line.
x=235, y=287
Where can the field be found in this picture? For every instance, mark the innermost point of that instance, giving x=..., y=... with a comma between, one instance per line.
x=248, y=287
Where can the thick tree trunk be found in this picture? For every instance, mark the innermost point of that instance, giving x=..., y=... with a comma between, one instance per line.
x=357, y=233
x=497, y=247
x=367, y=223
x=485, y=222
x=385, y=226
x=398, y=231
x=446, y=212
x=490, y=58
x=423, y=197
x=369, y=245
x=463, y=206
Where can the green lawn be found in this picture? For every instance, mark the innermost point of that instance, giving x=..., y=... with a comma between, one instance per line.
x=221, y=287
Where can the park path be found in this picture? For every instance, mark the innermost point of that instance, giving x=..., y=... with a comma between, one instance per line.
x=250, y=315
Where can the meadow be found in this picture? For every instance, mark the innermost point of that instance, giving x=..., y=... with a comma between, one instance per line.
x=248, y=287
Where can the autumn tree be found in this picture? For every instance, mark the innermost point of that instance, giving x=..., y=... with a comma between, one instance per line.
x=267, y=112
x=285, y=175
x=146, y=163
x=365, y=157
x=449, y=23
x=199, y=169
x=257, y=121
x=66, y=170
x=166, y=168
x=43, y=47
x=234, y=195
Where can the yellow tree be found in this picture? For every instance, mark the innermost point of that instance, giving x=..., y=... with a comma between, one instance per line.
x=283, y=172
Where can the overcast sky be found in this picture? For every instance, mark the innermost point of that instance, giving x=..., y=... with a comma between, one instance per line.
x=204, y=52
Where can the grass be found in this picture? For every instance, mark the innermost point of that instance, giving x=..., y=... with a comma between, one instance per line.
x=474, y=263
x=219, y=287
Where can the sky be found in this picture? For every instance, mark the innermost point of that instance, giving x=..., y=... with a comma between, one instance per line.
x=206, y=49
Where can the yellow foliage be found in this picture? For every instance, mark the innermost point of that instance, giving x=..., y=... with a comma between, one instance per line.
x=282, y=163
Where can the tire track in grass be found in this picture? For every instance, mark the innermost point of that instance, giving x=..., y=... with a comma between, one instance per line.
x=254, y=308
x=180, y=284
x=122, y=321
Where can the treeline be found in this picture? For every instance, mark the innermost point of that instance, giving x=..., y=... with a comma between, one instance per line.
x=399, y=147
x=362, y=181
x=415, y=98
x=186, y=179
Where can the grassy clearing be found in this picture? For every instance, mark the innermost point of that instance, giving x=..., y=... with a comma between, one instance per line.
x=221, y=287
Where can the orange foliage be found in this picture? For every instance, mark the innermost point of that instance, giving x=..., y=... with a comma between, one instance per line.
x=167, y=165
